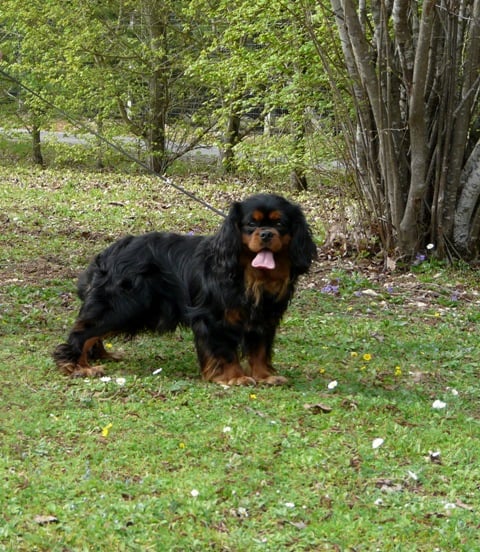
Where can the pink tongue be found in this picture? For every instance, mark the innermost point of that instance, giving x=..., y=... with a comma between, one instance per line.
x=264, y=259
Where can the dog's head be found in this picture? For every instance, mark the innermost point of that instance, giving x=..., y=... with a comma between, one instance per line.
x=265, y=230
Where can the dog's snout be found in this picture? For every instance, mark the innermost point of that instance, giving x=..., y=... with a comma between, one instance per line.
x=266, y=235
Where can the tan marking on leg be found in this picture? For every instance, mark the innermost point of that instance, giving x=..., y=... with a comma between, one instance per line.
x=82, y=369
x=102, y=353
x=262, y=369
x=225, y=373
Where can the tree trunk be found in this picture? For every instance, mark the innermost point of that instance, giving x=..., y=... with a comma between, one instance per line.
x=99, y=162
x=231, y=139
x=463, y=220
x=36, y=145
x=156, y=124
x=298, y=178
x=155, y=131
x=414, y=69
x=376, y=128
x=411, y=227
x=461, y=119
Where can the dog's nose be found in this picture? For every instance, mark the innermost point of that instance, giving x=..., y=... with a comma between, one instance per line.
x=266, y=235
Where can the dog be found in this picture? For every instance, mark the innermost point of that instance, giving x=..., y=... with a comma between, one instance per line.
x=231, y=289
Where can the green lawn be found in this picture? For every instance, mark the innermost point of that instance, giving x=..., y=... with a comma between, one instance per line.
x=152, y=459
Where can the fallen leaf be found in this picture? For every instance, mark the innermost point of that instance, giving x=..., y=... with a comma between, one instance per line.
x=388, y=486
x=391, y=264
x=45, y=520
x=318, y=408
x=370, y=293
x=355, y=462
x=349, y=403
x=461, y=504
x=298, y=524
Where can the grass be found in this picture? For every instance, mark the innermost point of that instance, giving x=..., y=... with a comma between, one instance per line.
x=158, y=460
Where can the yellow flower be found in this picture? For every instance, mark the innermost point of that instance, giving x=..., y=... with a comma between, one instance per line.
x=182, y=445
x=398, y=371
x=321, y=370
x=354, y=354
x=253, y=396
x=106, y=429
x=108, y=345
x=367, y=357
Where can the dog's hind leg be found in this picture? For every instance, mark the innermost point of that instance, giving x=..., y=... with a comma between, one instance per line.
x=98, y=351
x=74, y=362
x=84, y=343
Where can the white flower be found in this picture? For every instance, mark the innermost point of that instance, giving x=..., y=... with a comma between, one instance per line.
x=121, y=381
x=194, y=492
x=454, y=392
x=378, y=502
x=227, y=429
x=429, y=246
x=106, y=379
x=378, y=442
x=156, y=372
x=332, y=384
x=450, y=506
x=289, y=505
x=438, y=405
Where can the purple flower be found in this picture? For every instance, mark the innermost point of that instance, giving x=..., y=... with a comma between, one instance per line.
x=330, y=288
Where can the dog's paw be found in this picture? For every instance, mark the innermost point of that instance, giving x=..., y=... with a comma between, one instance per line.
x=240, y=380
x=272, y=380
x=88, y=371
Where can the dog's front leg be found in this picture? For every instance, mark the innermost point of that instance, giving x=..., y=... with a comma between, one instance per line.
x=217, y=349
x=258, y=348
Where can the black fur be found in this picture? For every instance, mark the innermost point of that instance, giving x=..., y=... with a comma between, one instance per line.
x=158, y=281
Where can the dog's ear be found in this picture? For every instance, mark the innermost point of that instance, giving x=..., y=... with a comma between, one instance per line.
x=228, y=241
x=302, y=247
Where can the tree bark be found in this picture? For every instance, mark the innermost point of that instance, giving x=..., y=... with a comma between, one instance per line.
x=415, y=74
x=461, y=118
x=411, y=230
x=470, y=184
x=36, y=145
x=389, y=175
x=231, y=139
x=158, y=88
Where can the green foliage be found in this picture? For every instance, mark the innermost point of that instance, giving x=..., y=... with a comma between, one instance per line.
x=159, y=460
x=260, y=58
x=173, y=71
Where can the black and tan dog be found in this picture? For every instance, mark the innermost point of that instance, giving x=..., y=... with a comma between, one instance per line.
x=231, y=288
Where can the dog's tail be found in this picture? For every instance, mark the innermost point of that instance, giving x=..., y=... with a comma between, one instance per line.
x=65, y=357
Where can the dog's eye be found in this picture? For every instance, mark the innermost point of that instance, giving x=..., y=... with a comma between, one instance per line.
x=252, y=224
